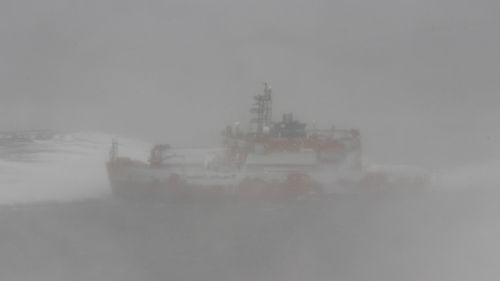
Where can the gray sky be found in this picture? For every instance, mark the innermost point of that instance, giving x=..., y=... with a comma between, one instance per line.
x=418, y=77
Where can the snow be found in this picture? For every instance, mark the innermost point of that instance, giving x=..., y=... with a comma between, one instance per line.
x=63, y=167
x=483, y=174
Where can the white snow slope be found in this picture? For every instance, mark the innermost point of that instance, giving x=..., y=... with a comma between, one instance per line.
x=57, y=167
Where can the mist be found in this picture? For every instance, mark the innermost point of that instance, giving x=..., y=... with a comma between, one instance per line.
x=419, y=79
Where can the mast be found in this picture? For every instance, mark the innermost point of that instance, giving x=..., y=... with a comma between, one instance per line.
x=268, y=110
x=113, y=152
x=263, y=108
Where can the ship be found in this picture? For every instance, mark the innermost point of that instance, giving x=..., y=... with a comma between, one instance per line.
x=263, y=160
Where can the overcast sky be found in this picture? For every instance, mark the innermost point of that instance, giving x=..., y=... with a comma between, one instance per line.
x=420, y=78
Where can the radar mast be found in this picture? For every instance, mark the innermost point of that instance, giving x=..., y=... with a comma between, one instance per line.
x=263, y=109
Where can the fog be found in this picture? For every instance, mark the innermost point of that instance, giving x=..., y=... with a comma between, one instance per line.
x=419, y=79
x=414, y=76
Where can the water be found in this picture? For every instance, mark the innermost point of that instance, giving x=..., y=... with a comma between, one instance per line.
x=59, y=222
